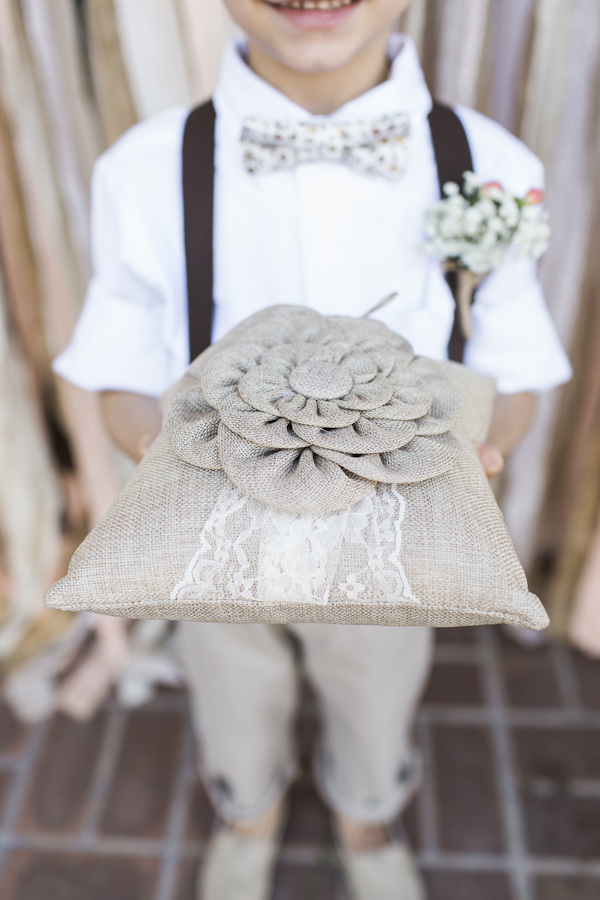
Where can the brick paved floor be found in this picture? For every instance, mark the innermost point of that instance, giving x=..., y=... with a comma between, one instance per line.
x=510, y=808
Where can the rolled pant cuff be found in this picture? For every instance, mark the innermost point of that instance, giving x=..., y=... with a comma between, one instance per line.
x=222, y=795
x=382, y=810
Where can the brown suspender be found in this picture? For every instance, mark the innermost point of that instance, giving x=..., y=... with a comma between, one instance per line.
x=452, y=157
x=198, y=202
x=452, y=154
x=450, y=145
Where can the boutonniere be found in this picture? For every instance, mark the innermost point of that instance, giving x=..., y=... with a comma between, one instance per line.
x=473, y=229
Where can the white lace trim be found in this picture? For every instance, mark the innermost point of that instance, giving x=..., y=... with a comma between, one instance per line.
x=247, y=551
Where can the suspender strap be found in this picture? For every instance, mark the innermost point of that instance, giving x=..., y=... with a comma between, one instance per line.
x=198, y=174
x=450, y=145
x=453, y=157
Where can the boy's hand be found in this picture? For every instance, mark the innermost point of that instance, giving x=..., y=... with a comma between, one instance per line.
x=490, y=458
x=145, y=443
x=133, y=420
x=510, y=421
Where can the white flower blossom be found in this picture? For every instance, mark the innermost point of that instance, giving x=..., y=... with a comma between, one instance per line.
x=472, y=182
x=475, y=228
x=450, y=188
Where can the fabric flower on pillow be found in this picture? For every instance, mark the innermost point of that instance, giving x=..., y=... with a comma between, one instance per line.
x=308, y=413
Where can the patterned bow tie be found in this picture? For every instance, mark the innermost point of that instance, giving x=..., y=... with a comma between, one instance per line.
x=378, y=147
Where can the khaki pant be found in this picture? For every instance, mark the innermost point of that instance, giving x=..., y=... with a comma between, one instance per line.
x=244, y=683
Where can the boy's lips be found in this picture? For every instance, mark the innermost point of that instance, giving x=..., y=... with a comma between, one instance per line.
x=321, y=5
x=313, y=13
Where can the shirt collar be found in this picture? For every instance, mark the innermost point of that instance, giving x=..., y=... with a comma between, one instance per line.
x=240, y=92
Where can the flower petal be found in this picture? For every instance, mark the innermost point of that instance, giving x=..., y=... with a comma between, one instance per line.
x=361, y=366
x=298, y=481
x=411, y=398
x=280, y=325
x=191, y=426
x=367, y=334
x=320, y=413
x=285, y=357
x=371, y=395
x=388, y=418
x=421, y=459
x=446, y=406
x=262, y=428
x=365, y=436
x=223, y=373
x=262, y=387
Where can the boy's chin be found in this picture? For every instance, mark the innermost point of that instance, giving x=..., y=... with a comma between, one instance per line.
x=319, y=58
x=315, y=41
x=313, y=36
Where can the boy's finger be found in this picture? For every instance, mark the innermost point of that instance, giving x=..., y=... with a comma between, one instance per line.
x=490, y=458
x=145, y=443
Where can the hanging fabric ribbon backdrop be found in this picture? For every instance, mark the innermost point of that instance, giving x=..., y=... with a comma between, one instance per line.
x=75, y=74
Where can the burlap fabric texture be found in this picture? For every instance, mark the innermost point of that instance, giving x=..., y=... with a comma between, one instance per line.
x=310, y=469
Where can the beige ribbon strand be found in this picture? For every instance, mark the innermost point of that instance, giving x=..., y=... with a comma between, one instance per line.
x=461, y=35
x=113, y=94
x=569, y=200
x=73, y=124
x=154, y=55
x=206, y=26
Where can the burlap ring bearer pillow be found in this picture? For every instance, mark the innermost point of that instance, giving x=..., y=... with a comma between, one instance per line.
x=310, y=469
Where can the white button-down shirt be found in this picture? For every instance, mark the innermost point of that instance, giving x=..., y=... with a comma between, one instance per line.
x=320, y=235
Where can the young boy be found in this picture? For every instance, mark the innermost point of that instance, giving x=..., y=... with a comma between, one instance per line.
x=327, y=235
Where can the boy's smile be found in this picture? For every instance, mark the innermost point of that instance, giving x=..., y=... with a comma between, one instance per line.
x=314, y=14
x=311, y=4
x=320, y=53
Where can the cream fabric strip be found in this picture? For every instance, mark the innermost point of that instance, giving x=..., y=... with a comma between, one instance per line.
x=461, y=33
x=20, y=271
x=29, y=504
x=584, y=625
x=544, y=94
x=154, y=55
x=511, y=34
x=206, y=26
x=569, y=200
x=29, y=501
x=413, y=23
x=53, y=266
x=111, y=85
x=52, y=256
x=73, y=122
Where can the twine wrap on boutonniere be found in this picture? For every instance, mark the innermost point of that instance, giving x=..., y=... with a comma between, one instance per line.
x=474, y=228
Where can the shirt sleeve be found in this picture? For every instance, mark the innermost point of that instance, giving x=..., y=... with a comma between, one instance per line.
x=127, y=336
x=514, y=337
x=115, y=346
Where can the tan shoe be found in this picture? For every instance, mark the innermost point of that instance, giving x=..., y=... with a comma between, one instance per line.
x=237, y=867
x=385, y=873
